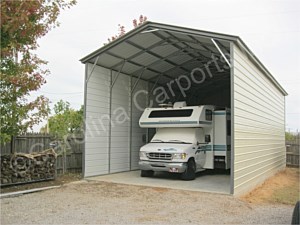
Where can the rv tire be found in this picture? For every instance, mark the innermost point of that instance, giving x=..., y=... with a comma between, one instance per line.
x=296, y=217
x=147, y=173
x=190, y=173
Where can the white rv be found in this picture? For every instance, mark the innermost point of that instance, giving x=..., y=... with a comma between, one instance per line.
x=188, y=139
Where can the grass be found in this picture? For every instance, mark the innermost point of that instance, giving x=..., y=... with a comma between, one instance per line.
x=290, y=193
x=282, y=188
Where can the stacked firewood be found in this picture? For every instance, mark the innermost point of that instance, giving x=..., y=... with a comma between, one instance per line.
x=20, y=167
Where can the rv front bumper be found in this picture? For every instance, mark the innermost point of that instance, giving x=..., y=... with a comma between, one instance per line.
x=163, y=166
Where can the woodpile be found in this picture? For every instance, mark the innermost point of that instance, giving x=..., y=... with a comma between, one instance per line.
x=21, y=167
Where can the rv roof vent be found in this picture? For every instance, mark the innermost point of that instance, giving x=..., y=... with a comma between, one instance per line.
x=165, y=105
x=179, y=104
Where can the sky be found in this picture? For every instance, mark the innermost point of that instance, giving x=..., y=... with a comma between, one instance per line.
x=270, y=28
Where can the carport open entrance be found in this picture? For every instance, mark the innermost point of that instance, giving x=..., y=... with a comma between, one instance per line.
x=151, y=67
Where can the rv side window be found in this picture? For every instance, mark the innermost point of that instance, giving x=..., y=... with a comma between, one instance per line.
x=171, y=113
x=208, y=114
x=228, y=127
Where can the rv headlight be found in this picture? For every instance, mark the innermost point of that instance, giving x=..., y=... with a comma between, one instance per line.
x=179, y=155
x=143, y=155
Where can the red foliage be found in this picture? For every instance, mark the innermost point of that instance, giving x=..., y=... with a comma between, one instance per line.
x=142, y=19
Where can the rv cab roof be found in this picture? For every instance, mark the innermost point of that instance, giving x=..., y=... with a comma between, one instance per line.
x=179, y=115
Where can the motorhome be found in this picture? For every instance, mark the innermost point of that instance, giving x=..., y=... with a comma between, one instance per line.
x=187, y=139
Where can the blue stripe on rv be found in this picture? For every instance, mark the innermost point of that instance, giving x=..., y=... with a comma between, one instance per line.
x=171, y=122
x=217, y=148
x=177, y=122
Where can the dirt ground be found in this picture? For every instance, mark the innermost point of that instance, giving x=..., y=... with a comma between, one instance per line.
x=283, y=188
x=92, y=202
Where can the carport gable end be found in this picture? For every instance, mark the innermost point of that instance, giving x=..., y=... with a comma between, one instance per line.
x=157, y=63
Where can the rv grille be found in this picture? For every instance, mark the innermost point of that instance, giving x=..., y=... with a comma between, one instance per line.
x=161, y=156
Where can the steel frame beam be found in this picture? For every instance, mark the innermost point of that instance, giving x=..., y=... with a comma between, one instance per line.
x=138, y=53
x=217, y=46
x=156, y=55
x=138, y=79
x=224, y=48
x=206, y=83
x=137, y=64
x=187, y=41
x=90, y=74
x=115, y=79
x=158, y=61
x=156, y=82
x=203, y=46
x=189, y=61
x=110, y=122
x=197, y=42
x=176, y=66
x=194, y=58
x=175, y=45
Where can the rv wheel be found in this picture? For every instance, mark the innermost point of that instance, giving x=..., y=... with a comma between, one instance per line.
x=296, y=217
x=190, y=172
x=147, y=173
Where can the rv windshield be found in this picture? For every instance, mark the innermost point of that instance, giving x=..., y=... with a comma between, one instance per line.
x=175, y=135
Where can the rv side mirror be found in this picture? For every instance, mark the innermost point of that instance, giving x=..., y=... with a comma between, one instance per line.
x=207, y=138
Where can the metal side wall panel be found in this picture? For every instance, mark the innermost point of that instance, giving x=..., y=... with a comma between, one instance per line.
x=120, y=127
x=139, y=103
x=97, y=121
x=259, y=125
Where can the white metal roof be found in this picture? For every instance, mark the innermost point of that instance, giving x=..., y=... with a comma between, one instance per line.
x=155, y=51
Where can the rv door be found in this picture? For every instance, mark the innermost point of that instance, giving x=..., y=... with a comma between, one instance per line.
x=200, y=154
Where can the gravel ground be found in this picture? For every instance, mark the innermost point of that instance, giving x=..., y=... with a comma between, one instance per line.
x=106, y=203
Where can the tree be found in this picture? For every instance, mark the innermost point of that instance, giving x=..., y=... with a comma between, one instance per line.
x=66, y=120
x=122, y=31
x=289, y=137
x=22, y=24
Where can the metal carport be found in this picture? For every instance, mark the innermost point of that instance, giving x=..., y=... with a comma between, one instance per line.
x=157, y=63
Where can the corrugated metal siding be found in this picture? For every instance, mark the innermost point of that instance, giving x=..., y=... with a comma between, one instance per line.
x=97, y=124
x=111, y=149
x=120, y=130
x=139, y=103
x=259, y=125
